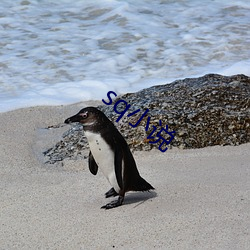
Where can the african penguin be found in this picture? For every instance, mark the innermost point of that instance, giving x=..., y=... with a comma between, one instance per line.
x=110, y=152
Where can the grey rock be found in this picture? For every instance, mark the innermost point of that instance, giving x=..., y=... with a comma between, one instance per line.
x=205, y=111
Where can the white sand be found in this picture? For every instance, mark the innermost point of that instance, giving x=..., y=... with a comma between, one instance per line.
x=201, y=201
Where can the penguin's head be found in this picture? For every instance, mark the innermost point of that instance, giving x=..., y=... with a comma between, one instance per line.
x=88, y=117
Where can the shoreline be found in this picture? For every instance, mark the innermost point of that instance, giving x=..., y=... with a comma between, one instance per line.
x=201, y=197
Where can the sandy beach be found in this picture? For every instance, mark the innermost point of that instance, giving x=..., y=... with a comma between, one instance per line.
x=201, y=198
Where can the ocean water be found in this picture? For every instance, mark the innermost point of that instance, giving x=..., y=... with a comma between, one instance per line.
x=61, y=52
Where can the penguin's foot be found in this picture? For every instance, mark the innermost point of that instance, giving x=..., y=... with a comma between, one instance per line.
x=111, y=193
x=113, y=204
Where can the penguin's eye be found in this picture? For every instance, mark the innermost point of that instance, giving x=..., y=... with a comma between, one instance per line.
x=84, y=115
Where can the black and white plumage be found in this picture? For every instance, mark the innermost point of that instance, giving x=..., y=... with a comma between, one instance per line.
x=110, y=152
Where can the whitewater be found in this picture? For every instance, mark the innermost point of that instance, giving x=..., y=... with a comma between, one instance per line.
x=62, y=52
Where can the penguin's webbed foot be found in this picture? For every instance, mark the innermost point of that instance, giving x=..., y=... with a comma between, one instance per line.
x=113, y=204
x=111, y=193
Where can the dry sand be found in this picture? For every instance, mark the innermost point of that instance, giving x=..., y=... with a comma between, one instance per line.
x=201, y=201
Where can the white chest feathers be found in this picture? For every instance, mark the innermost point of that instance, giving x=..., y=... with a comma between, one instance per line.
x=104, y=157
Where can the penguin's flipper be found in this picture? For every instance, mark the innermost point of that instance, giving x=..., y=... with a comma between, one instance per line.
x=93, y=167
x=111, y=193
x=118, y=166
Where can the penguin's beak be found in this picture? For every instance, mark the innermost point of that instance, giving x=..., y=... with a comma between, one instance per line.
x=74, y=118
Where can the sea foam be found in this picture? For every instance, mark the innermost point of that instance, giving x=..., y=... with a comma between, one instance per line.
x=63, y=52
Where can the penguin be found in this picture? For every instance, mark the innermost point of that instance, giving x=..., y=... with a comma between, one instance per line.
x=110, y=152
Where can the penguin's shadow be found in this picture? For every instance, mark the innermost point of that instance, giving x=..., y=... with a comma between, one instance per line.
x=137, y=198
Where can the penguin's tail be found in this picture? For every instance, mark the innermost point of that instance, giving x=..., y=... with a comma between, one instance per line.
x=141, y=185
